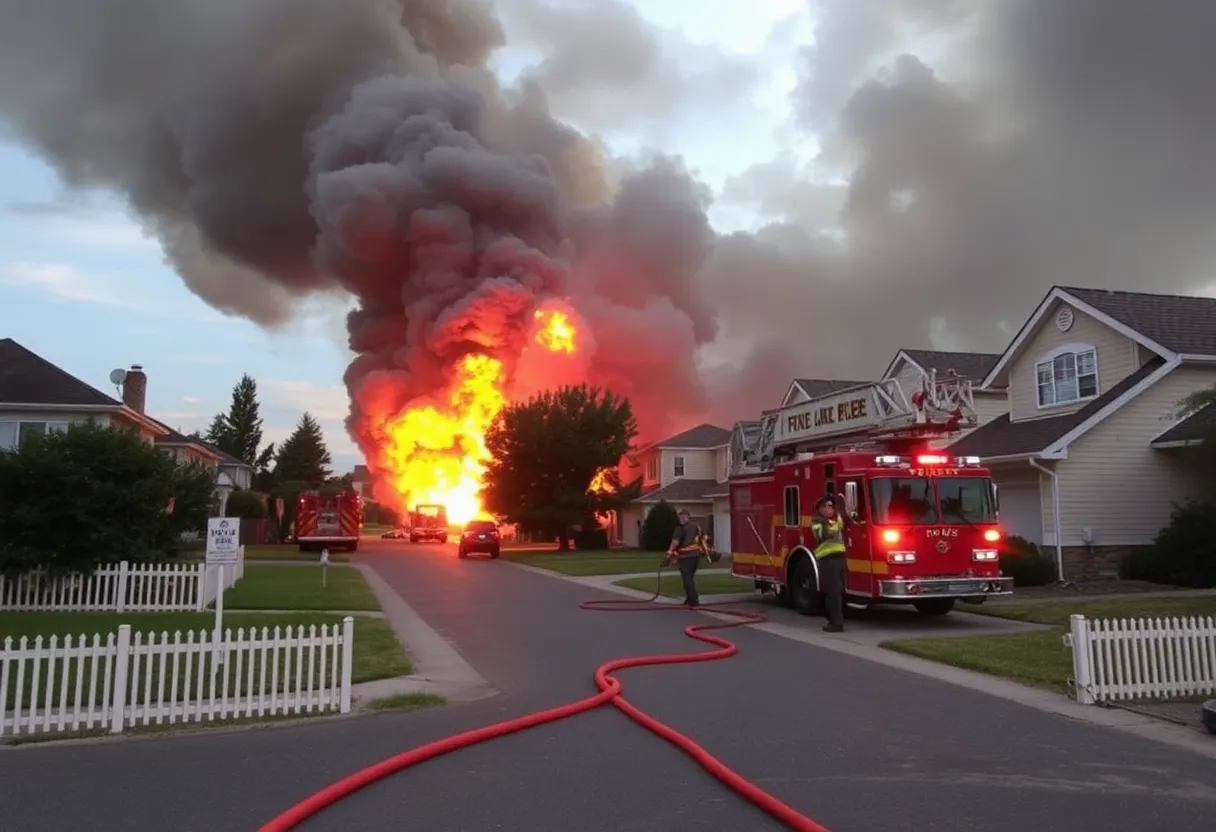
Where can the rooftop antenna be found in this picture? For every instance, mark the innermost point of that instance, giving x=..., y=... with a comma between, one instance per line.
x=117, y=377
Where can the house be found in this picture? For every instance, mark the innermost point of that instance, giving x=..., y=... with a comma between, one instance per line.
x=361, y=481
x=1090, y=455
x=804, y=389
x=910, y=367
x=688, y=470
x=37, y=397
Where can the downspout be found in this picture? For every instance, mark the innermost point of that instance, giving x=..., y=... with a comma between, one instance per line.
x=1055, y=514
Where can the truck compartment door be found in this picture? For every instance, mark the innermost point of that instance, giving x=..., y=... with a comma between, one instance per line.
x=860, y=576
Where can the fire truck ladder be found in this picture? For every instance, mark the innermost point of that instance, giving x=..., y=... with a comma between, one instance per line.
x=937, y=407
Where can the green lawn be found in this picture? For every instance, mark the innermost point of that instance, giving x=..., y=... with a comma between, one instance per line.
x=1040, y=658
x=378, y=654
x=406, y=702
x=592, y=562
x=291, y=552
x=706, y=585
x=270, y=587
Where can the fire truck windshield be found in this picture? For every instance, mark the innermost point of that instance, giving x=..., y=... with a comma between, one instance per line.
x=912, y=501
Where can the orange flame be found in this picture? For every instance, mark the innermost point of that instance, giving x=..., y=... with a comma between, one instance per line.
x=556, y=333
x=436, y=453
x=600, y=484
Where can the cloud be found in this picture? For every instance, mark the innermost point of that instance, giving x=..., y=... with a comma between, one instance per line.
x=192, y=400
x=326, y=402
x=178, y=415
x=79, y=222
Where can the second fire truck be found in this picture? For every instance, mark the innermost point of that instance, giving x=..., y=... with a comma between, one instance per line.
x=924, y=526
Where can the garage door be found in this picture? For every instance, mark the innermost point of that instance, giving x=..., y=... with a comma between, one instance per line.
x=1021, y=511
x=721, y=539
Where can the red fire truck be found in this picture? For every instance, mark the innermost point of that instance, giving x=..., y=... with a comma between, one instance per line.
x=924, y=526
x=328, y=520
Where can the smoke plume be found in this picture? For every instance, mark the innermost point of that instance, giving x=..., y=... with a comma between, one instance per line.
x=972, y=154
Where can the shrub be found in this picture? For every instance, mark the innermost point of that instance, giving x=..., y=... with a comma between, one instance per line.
x=93, y=494
x=248, y=505
x=1028, y=569
x=591, y=539
x=1183, y=553
x=658, y=527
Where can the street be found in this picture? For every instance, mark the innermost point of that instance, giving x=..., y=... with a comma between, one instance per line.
x=857, y=746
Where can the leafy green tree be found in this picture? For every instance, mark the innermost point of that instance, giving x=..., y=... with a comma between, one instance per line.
x=546, y=453
x=246, y=504
x=303, y=456
x=92, y=495
x=239, y=431
x=659, y=526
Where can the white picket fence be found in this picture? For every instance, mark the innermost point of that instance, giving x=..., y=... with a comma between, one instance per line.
x=1159, y=658
x=52, y=685
x=126, y=587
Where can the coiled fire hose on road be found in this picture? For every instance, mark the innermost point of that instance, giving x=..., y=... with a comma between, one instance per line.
x=609, y=692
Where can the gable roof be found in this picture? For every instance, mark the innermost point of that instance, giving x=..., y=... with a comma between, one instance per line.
x=702, y=436
x=813, y=388
x=1168, y=325
x=1199, y=427
x=970, y=365
x=682, y=491
x=172, y=438
x=1004, y=438
x=28, y=379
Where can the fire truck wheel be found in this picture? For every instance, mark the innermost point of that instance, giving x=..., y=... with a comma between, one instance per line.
x=934, y=606
x=783, y=597
x=804, y=589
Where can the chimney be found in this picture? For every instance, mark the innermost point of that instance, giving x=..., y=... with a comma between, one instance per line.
x=135, y=388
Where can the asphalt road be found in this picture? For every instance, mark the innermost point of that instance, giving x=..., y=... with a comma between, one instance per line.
x=854, y=744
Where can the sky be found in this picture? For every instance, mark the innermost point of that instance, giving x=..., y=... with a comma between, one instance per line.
x=92, y=292
x=931, y=166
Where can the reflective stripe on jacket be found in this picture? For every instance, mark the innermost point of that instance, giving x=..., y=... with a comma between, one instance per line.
x=696, y=546
x=829, y=537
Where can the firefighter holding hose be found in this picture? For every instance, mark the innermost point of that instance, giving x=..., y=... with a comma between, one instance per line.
x=687, y=548
x=828, y=529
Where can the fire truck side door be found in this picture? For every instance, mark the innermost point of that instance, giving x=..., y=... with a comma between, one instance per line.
x=860, y=577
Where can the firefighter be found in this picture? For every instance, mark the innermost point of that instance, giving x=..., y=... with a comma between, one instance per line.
x=687, y=547
x=828, y=529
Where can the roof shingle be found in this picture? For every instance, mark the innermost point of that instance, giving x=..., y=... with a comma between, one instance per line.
x=1182, y=323
x=1001, y=437
x=816, y=387
x=702, y=436
x=970, y=365
x=1199, y=426
x=680, y=491
x=28, y=378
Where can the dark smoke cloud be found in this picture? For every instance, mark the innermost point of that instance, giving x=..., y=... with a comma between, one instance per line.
x=282, y=148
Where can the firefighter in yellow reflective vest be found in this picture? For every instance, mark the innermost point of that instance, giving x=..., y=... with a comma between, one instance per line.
x=687, y=547
x=828, y=529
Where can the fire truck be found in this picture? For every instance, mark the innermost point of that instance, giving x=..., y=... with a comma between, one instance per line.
x=922, y=524
x=328, y=520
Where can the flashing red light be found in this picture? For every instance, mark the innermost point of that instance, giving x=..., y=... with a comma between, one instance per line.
x=992, y=535
x=932, y=459
x=890, y=535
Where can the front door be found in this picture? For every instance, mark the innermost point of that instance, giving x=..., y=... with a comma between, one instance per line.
x=860, y=576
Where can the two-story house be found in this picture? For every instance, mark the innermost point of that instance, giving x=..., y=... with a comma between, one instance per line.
x=37, y=397
x=1090, y=456
x=911, y=367
x=688, y=470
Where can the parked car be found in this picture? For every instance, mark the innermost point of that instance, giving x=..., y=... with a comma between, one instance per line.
x=480, y=536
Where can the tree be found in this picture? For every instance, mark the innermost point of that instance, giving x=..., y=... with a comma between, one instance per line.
x=92, y=495
x=547, y=451
x=239, y=431
x=303, y=456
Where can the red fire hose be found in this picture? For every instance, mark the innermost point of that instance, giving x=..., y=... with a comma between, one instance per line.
x=610, y=691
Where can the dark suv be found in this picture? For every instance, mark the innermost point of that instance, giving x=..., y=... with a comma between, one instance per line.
x=479, y=536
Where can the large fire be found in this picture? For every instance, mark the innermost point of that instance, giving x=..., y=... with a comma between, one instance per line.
x=436, y=453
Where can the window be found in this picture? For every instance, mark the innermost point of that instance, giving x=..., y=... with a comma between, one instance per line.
x=829, y=476
x=1068, y=377
x=861, y=499
x=13, y=433
x=677, y=464
x=903, y=500
x=793, y=514
x=966, y=500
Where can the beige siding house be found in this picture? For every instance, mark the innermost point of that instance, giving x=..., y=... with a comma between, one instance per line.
x=688, y=470
x=1091, y=454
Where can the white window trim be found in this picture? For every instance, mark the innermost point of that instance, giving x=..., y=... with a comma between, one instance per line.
x=677, y=466
x=51, y=425
x=1076, y=348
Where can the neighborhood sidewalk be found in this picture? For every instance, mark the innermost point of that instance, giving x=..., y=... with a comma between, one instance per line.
x=438, y=668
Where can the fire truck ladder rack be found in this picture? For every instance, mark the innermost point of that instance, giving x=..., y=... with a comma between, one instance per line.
x=877, y=414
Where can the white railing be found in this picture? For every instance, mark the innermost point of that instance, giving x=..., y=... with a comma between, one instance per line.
x=1159, y=658
x=125, y=587
x=52, y=685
